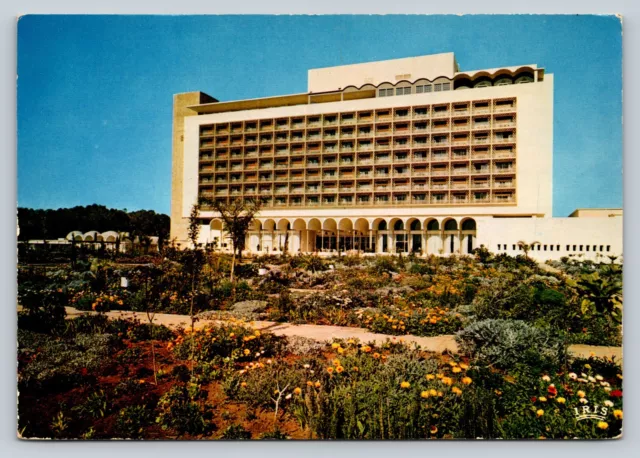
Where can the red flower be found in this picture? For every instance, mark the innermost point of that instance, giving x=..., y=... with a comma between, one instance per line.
x=534, y=399
x=616, y=394
x=84, y=371
x=552, y=391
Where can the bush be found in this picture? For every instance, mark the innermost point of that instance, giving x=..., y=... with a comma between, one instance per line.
x=235, y=432
x=179, y=410
x=132, y=421
x=43, y=310
x=506, y=343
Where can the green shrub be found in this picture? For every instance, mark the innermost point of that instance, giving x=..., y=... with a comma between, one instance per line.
x=95, y=406
x=505, y=343
x=132, y=421
x=235, y=432
x=179, y=409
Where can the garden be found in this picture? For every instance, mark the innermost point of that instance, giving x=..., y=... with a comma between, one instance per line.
x=92, y=376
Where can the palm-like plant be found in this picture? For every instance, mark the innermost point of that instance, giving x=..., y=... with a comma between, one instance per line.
x=526, y=247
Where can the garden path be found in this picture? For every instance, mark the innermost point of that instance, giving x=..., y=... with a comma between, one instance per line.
x=322, y=333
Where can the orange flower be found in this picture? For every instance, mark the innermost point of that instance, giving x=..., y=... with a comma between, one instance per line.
x=297, y=391
x=330, y=370
x=467, y=380
x=339, y=369
x=405, y=385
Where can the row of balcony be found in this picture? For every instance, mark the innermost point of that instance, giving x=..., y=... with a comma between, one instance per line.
x=416, y=200
x=366, y=189
x=379, y=132
x=408, y=114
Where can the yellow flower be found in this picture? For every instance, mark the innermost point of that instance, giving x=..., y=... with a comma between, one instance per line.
x=540, y=412
x=424, y=394
x=455, y=370
x=297, y=390
x=405, y=385
x=453, y=363
x=257, y=333
x=430, y=376
x=335, y=345
x=336, y=362
x=464, y=366
x=439, y=376
x=587, y=366
x=366, y=349
x=618, y=414
x=433, y=392
x=447, y=380
x=339, y=369
x=246, y=352
x=330, y=370
x=542, y=399
x=317, y=384
x=340, y=350
x=561, y=400
x=581, y=394
x=467, y=380
x=603, y=425
x=456, y=390
x=243, y=384
x=309, y=383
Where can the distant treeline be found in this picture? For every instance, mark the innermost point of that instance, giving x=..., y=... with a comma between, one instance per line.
x=54, y=224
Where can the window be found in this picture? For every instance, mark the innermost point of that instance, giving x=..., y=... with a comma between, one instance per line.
x=558, y=247
x=513, y=247
x=499, y=247
x=567, y=248
x=574, y=247
x=550, y=247
x=545, y=248
x=437, y=87
x=581, y=247
x=587, y=247
x=608, y=247
x=601, y=247
x=594, y=247
x=385, y=92
x=446, y=86
x=403, y=90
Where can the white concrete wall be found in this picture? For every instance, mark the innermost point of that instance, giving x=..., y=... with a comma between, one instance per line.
x=552, y=231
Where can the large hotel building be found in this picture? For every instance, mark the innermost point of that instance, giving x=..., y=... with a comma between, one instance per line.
x=404, y=155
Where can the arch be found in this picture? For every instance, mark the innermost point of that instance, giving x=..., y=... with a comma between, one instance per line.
x=74, y=235
x=329, y=224
x=414, y=224
x=468, y=224
x=345, y=224
x=299, y=225
x=524, y=77
x=110, y=236
x=433, y=225
x=394, y=223
x=315, y=224
x=361, y=225
x=379, y=224
x=91, y=236
x=215, y=224
x=450, y=225
x=483, y=81
x=284, y=225
x=503, y=80
x=257, y=225
x=269, y=225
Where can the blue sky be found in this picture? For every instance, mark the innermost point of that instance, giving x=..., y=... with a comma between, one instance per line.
x=95, y=92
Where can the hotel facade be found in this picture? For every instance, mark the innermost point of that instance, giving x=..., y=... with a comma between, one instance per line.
x=398, y=156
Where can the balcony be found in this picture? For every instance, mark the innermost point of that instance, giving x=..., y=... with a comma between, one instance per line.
x=439, y=173
x=439, y=201
x=480, y=141
x=365, y=161
x=501, y=125
x=382, y=175
x=503, y=108
x=480, y=200
x=282, y=127
x=460, y=112
x=481, y=126
x=419, y=187
x=364, y=188
x=420, y=115
x=484, y=184
x=480, y=171
x=267, y=128
x=439, y=186
x=459, y=185
x=364, y=175
x=313, y=165
x=504, y=170
x=282, y=152
x=401, y=188
x=439, y=143
x=440, y=129
x=298, y=125
x=420, y=174
x=347, y=121
x=265, y=192
x=481, y=110
x=501, y=199
x=503, y=154
x=440, y=114
x=504, y=184
x=297, y=178
x=460, y=171
x=313, y=124
x=266, y=167
x=282, y=191
x=365, y=148
x=438, y=157
x=386, y=118
x=385, y=160
x=504, y=140
x=401, y=174
x=365, y=134
x=460, y=200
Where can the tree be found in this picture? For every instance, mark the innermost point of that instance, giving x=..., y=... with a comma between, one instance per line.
x=526, y=247
x=236, y=216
